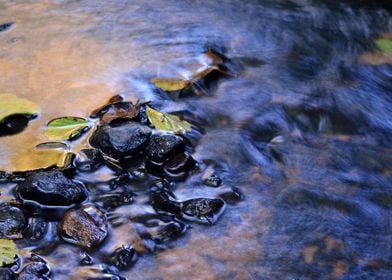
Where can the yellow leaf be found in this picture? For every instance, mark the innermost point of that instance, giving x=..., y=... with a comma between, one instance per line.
x=167, y=122
x=7, y=252
x=11, y=104
x=171, y=84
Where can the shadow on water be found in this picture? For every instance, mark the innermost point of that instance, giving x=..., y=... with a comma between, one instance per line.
x=302, y=129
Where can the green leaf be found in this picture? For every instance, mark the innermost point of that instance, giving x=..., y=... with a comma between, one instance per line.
x=66, y=128
x=11, y=105
x=385, y=45
x=7, y=252
x=171, y=84
x=52, y=145
x=167, y=122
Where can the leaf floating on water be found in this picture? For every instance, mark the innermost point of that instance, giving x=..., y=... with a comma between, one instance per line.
x=12, y=105
x=121, y=110
x=171, y=84
x=7, y=252
x=66, y=128
x=167, y=122
x=385, y=45
x=52, y=145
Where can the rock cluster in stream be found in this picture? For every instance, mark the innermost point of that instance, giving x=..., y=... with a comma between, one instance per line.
x=52, y=206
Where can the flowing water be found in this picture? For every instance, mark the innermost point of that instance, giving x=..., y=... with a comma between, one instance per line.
x=303, y=128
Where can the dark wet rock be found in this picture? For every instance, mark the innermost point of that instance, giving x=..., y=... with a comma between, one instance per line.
x=36, y=228
x=6, y=26
x=212, y=181
x=164, y=201
x=232, y=195
x=37, y=269
x=12, y=221
x=178, y=166
x=51, y=188
x=86, y=227
x=7, y=274
x=162, y=146
x=123, y=257
x=116, y=198
x=93, y=160
x=203, y=210
x=86, y=259
x=14, y=124
x=169, y=231
x=121, y=141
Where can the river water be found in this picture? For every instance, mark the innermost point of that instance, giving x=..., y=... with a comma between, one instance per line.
x=303, y=128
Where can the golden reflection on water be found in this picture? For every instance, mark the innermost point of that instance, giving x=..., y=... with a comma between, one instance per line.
x=53, y=65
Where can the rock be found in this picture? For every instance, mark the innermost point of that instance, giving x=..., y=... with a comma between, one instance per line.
x=51, y=188
x=162, y=146
x=6, y=26
x=123, y=257
x=92, y=160
x=232, y=195
x=7, y=274
x=37, y=269
x=212, y=181
x=178, y=166
x=169, y=231
x=86, y=226
x=35, y=229
x=12, y=221
x=203, y=210
x=121, y=141
x=164, y=201
x=86, y=259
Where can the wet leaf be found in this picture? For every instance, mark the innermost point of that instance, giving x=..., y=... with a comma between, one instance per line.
x=104, y=108
x=39, y=159
x=66, y=128
x=171, y=84
x=12, y=105
x=167, y=122
x=7, y=252
x=385, y=45
x=52, y=145
x=121, y=110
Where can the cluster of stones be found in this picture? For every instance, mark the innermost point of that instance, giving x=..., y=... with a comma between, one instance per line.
x=82, y=218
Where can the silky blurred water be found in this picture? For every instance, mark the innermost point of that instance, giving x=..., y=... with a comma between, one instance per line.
x=318, y=197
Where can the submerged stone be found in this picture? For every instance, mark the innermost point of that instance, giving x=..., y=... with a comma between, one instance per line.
x=86, y=226
x=37, y=269
x=121, y=141
x=162, y=146
x=203, y=210
x=35, y=229
x=212, y=181
x=123, y=257
x=7, y=274
x=12, y=221
x=164, y=201
x=51, y=188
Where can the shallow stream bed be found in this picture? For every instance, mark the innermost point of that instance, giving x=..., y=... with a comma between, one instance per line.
x=299, y=131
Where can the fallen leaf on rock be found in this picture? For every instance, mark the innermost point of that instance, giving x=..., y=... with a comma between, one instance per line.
x=103, y=109
x=121, y=110
x=167, y=122
x=66, y=128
